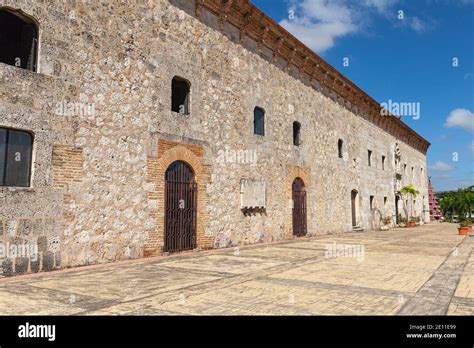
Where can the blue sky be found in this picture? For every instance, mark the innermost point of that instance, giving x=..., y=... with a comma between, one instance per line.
x=406, y=57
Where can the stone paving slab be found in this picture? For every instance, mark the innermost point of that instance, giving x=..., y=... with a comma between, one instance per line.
x=423, y=270
x=434, y=297
x=262, y=298
x=396, y=277
x=224, y=263
x=122, y=284
x=404, y=249
x=280, y=253
x=461, y=306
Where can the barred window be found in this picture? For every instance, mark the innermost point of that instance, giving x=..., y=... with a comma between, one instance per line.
x=15, y=157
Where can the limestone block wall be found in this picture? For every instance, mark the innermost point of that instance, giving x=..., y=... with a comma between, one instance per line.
x=96, y=191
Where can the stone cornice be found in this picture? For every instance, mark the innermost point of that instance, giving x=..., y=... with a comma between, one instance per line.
x=262, y=35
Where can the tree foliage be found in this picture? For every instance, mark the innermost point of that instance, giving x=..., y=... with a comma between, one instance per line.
x=460, y=203
x=406, y=191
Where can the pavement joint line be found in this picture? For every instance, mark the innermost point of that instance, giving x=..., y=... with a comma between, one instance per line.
x=84, y=300
x=459, y=277
x=229, y=281
x=467, y=301
x=416, y=299
x=341, y=287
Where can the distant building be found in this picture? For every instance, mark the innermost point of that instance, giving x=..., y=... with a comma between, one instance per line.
x=435, y=210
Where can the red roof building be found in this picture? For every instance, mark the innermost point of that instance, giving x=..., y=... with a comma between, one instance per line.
x=435, y=210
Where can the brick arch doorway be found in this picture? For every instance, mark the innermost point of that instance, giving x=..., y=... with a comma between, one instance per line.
x=180, y=208
x=298, y=191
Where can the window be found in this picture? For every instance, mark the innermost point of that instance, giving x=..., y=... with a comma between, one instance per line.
x=405, y=168
x=15, y=157
x=259, y=121
x=385, y=202
x=296, y=133
x=421, y=172
x=18, y=39
x=180, y=90
x=371, y=202
x=369, y=158
x=383, y=162
x=340, y=142
x=412, y=172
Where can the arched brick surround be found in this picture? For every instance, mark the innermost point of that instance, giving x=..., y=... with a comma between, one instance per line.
x=193, y=155
x=293, y=173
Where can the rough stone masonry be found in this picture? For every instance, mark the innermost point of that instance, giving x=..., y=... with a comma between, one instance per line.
x=98, y=104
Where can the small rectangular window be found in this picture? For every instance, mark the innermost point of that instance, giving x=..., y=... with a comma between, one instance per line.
x=296, y=133
x=180, y=91
x=15, y=157
x=3, y=153
x=385, y=201
x=383, y=162
x=371, y=202
x=340, y=142
x=369, y=157
x=258, y=121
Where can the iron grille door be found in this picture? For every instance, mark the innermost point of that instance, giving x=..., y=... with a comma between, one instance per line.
x=299, y=208
x=180, y=208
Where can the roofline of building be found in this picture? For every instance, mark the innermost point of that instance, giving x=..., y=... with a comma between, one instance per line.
x=260, y=34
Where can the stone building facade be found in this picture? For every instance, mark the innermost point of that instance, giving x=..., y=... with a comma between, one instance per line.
x=97, y=101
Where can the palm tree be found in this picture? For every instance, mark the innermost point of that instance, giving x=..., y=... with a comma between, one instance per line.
x=460, y=203
x=464, y=201
x=447, y=204
x=408, y=191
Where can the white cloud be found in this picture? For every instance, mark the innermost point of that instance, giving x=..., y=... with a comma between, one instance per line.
x=318, y=36
x=462, y=118
x=443, y=137
x=417, y=24
x=441, y=166
x=382, y=6
x=319, y=23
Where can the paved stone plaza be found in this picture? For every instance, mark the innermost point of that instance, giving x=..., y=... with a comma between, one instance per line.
x=422, y=270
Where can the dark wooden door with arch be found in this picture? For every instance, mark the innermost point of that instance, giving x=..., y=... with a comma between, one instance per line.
x=180, y=208
x=299, y=207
